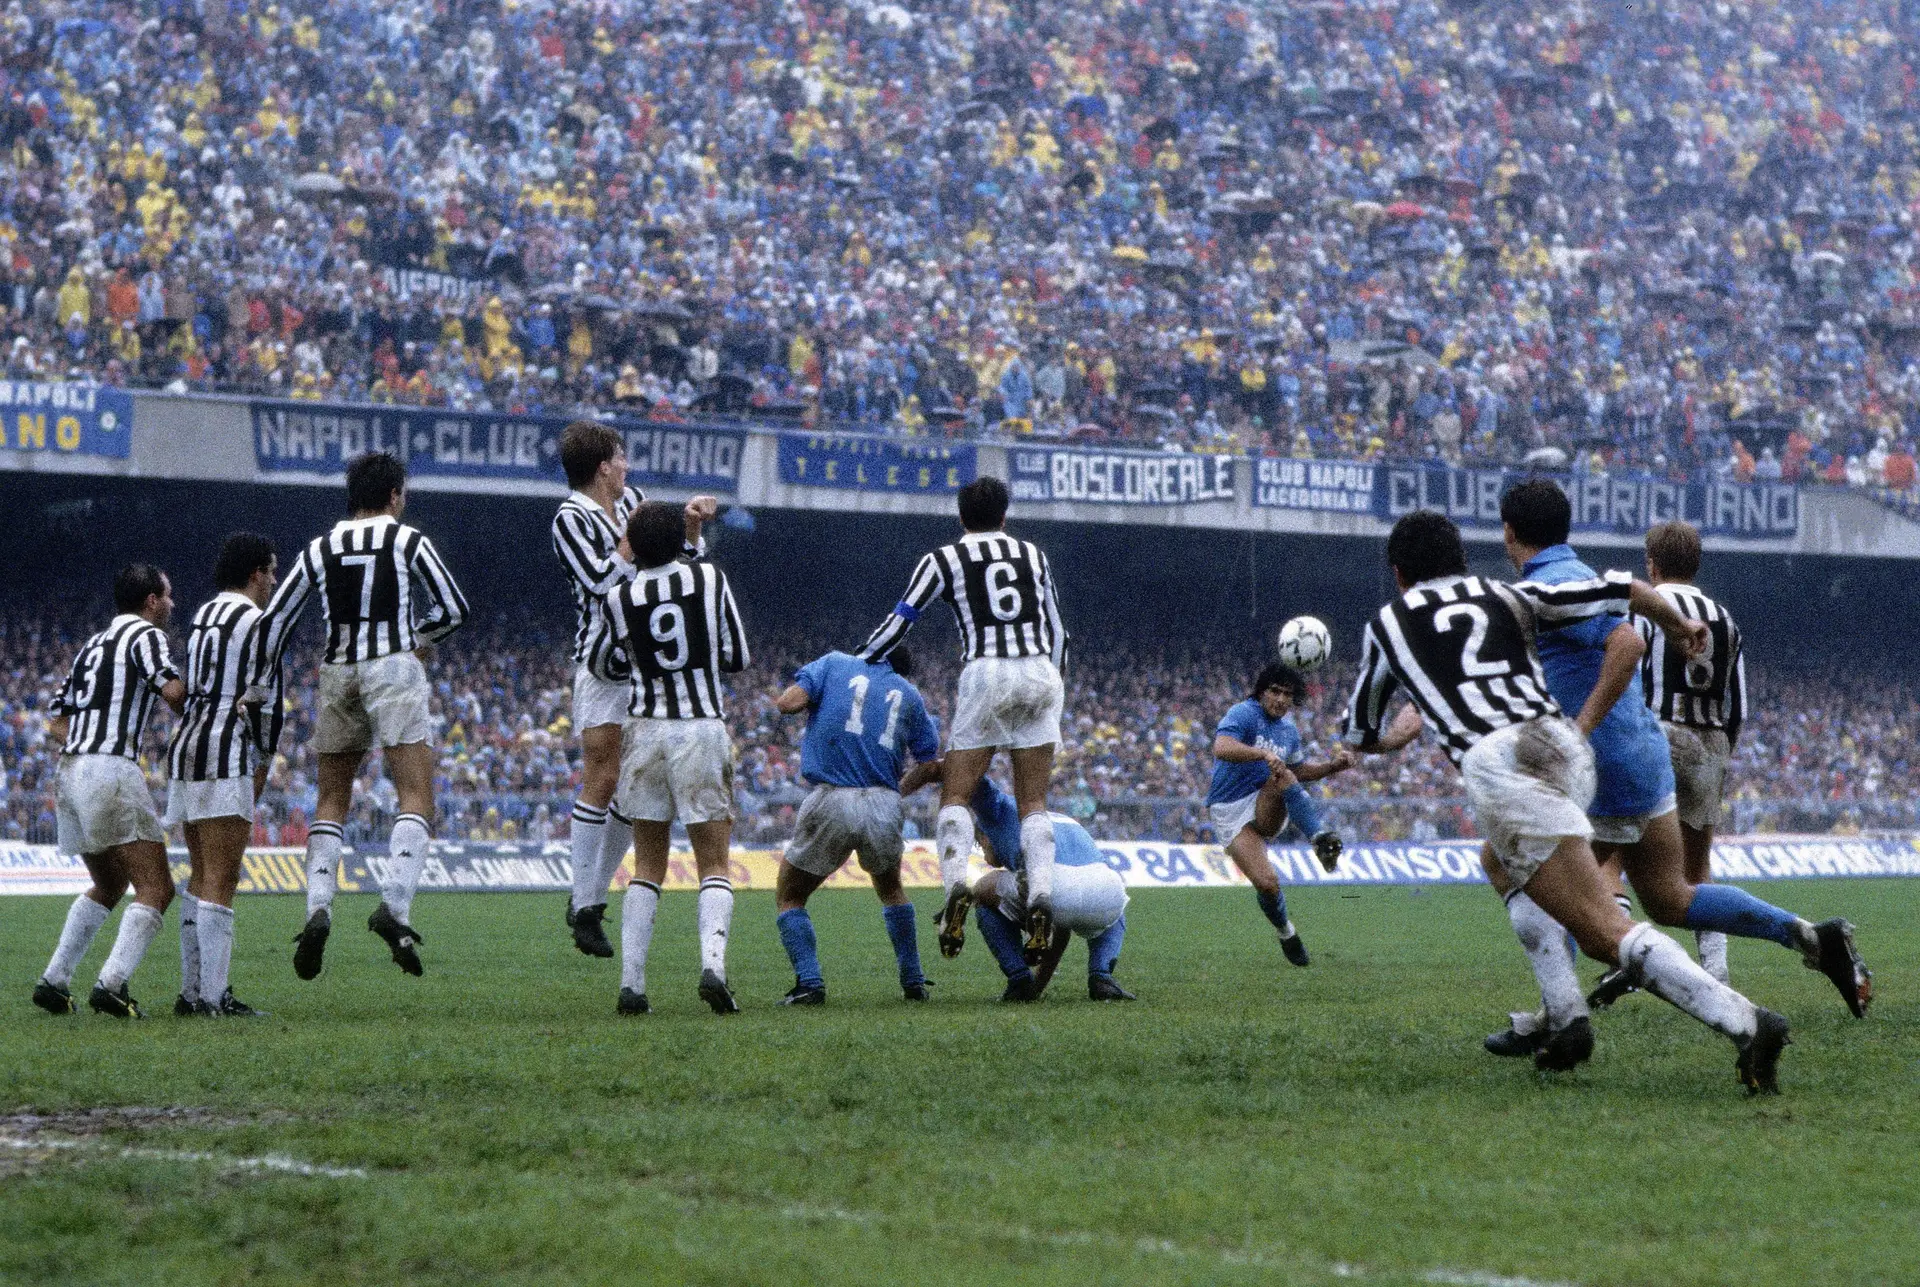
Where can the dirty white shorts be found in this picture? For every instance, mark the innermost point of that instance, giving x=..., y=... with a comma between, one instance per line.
x=101, y=801
x=1700, y=758
x=834, y=822
x=364, y=704
x=676, y=769
x=1008, y=702
x=1529, y=785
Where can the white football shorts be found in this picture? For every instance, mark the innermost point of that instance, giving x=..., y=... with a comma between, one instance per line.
x=219, y=798
x=364, y=704
x=1700, y=758
x=101, y=801
x=676, y=769
x=598, y=701
x=1529, y=785
x=1628, y=831
x=834, y=822
x=1086, y=899
x=1010, y=703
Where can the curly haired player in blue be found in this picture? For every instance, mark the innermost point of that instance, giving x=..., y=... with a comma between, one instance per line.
x=1256, y=793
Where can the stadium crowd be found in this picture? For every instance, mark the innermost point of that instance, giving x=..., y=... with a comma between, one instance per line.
x=1673, y=239
x=1816, y=754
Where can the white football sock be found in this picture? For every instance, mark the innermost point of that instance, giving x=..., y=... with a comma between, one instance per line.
x=619, y=839
x=189, y=946
x=953, y=832
x=323, y=865
x=216, y=950
x=1546, y=946
x=1712, y=947
x=407, y=854
x=636, y=933
x=137, y=928
x=716, y=918
x=1662, y=967
x=587, y=840
x=1036, y=851
x=84, y=920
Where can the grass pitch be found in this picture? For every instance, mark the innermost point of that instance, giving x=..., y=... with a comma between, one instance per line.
x=1245, y=1121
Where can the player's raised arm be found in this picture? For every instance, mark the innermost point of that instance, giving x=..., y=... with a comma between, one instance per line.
x=734, y=654
x=447, y=606
x=928, y=580
x=576, y=546
x=1693, y=636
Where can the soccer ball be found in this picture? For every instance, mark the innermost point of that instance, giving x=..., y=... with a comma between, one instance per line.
x=1305, y=644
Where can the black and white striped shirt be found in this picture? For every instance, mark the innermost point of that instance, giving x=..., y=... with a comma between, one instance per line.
x=1002, y=595
x=369, y=572
x=108, y=696
x=217, y=737
x=1708, y=691
x=587, y=544
x=1462, y=647
x=681, y=630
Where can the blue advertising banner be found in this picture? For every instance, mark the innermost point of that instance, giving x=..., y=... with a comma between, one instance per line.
x=66, y=419
x=308, y=437
x=1327, y=486
x=1601, y=502
x=865, y=464
x=1118, y=477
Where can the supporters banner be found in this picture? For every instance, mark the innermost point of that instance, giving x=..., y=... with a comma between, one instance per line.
x=1601, y=502
x=1118, y=477
x=1326, y=486
x=464, y=293
x=311, y=437
x=865, y=464
x=545, y=868
x=61, y=419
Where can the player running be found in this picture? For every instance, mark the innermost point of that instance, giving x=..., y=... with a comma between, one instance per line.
x=385, y=596
x=1462, y=648
x=864, y=719
x=588, y=536
x=1089, y=899
x=1591, y=665
x=1258, y=767
x=103, y=809
x=681, y=631
x=218, y=762
x=1002, y=595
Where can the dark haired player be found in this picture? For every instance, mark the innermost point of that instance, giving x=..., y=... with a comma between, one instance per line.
x=218, y=761
x=386, y=596
x=1010, y=697
x=104, y=810
x=1592, y=667
x=589, y=533
x=1256, y=792
x=864, y=718
x=1462, y=648
x=680, y=629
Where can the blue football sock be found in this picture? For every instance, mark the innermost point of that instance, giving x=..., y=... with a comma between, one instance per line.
x=906, y=943
x=796, y=935
x=1103, y=953
x=1302, y=812
x=1274, y=905
x=1002, y=937
x=1734, y=911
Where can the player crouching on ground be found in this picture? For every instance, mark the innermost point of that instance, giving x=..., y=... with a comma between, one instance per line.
x=1258, y=768
x=1089, y=899
x=104, y=810
x=1462, y=648
x=681, y=631
x=218, y=764
x=865, y=718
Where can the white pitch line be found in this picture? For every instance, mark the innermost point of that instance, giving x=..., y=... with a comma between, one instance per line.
x=1481, y=1278
x=272, y=1162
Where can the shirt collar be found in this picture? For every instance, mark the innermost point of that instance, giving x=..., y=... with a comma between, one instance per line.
x=1560, y=553
x=234, y=596
x=1441, y=582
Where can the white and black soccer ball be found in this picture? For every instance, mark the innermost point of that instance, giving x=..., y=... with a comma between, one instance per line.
x=1305, y=644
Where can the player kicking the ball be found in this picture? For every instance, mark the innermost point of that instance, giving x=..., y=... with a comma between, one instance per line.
x=1089, y=899
x=1258, y=768
x=864, y=719
x=1462, y=648
x=1002, y=594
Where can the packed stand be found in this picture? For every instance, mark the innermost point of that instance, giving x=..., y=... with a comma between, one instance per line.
x=1815, y=755
x=1679, y=239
